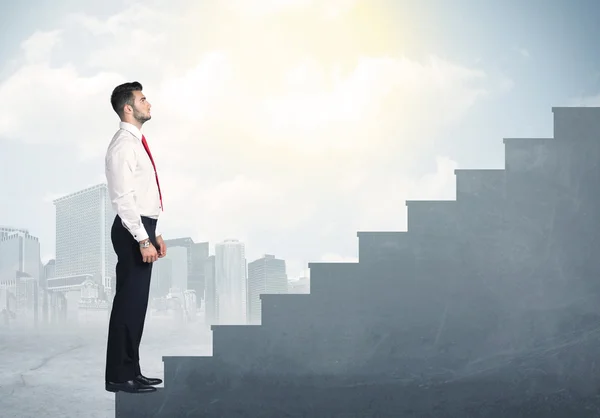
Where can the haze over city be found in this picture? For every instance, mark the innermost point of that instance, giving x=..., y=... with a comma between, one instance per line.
x=285, y=125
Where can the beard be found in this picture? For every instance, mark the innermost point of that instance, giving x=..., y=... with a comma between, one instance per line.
x=140, y=117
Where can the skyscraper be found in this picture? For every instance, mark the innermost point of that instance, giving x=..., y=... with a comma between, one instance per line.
x=197, y=253
x=178, y=258
x=83, y=223
x=210, y=292
x=266, y=275
x=19, y=252
x=230, y=282
x=7, y=230
x=162, y=277
x=19, y=273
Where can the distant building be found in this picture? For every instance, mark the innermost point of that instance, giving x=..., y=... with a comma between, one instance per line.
x=266, y=275
x=83, y=227
x=73, y=298
x=19, y=251
x=20, y=273
x=48, y=272
x=178, y=258
x=210, y=292
x=7, y=230
x=231, y=283
x=49, y=269
x=162, y=277
x=195, y=257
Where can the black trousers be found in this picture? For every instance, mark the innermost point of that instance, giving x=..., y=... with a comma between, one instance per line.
x=130, y=303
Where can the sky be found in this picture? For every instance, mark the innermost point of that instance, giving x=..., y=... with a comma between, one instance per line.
x=287, y=124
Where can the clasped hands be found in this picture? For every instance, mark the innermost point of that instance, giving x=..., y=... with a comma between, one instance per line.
x=150, y=254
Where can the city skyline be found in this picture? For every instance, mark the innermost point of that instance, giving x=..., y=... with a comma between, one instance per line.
x=82, y=275
x=101, y=187
x=9, y=230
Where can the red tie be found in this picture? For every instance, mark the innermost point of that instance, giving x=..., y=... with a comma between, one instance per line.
x=155, y=173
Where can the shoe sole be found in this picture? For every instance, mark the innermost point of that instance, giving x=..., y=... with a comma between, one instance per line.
x=115, y=390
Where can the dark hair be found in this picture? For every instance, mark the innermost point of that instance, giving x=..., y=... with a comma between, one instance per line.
x=122, y=95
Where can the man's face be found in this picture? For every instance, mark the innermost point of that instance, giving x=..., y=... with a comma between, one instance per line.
x=141, y=107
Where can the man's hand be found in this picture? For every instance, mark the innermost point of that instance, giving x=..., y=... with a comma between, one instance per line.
x=149, y=254
x=162, y=247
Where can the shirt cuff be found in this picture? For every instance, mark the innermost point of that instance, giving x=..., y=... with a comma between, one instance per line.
x=140, y=234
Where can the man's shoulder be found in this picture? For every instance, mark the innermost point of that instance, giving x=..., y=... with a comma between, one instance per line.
x=125, y=135
x=121, y=139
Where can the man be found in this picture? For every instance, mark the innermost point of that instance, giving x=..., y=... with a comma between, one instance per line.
x=135, y=193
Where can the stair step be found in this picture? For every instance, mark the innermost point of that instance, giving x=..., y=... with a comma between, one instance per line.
x=530, y=155
x=577, y=123
x=285, y=310
x=228, y=338
x=375, y=247
x=480, y=184
x=179, y=368
x=432, y=217
x=147, y=405
x=328, y=278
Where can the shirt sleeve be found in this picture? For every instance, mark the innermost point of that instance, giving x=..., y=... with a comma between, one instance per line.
x=158, y=231
x=121, y=161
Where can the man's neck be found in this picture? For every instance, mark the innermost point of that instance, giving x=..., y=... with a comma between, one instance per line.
x=135, y=123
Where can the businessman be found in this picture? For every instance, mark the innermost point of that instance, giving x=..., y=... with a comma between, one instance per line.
x=135, y=194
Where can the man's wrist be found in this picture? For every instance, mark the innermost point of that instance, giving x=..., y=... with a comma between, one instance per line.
x=145, y=243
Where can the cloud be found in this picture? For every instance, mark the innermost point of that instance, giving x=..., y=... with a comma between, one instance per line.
x=39, y=46
x=255, y=8
x=43, y=104
x=290, y=156
x=261, y=8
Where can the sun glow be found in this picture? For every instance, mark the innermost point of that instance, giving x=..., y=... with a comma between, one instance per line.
x=294, y=73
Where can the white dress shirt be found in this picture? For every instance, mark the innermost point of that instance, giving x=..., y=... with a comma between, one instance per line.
x=131, y=180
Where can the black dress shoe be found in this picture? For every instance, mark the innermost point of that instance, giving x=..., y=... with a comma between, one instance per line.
x=147, y=381
x=131, y=386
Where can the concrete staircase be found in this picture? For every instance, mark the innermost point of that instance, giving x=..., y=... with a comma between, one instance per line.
x=486, y=306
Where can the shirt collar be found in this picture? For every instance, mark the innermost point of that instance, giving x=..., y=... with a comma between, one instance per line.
x=131, y=128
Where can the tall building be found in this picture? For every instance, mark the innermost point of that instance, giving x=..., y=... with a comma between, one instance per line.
x=7, y=230
x=48, y=272
x=178, y=258
x=83, y=246
x=162, y=277
x=210, y=293
x=19, y=252
x=49, y=269
x=266, y=275
x=196, y=277
x=197, y=253
x=231, y=283
x=19, y=272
